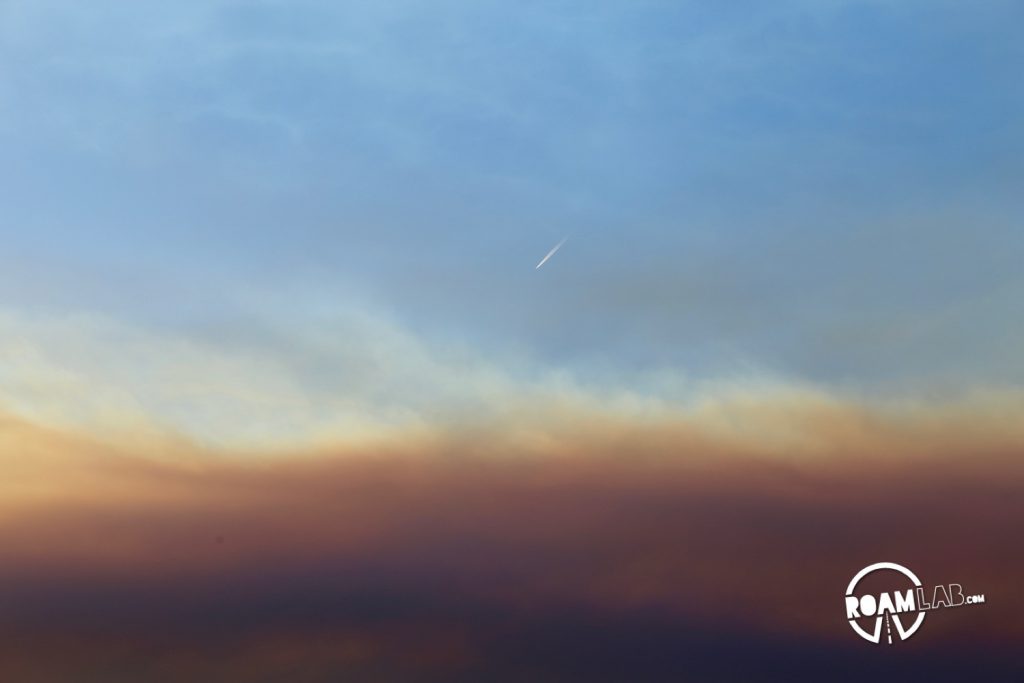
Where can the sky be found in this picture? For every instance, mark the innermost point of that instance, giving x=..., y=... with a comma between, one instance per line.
x=247, y=238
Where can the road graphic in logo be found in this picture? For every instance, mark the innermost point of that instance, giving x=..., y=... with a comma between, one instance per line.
x=901, y=611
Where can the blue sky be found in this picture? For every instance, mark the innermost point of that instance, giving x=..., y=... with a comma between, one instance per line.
x=824, y=192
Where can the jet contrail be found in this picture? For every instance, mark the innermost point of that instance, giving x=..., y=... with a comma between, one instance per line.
x=550, y=253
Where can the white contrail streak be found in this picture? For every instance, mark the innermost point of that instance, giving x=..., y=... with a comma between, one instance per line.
x=550, y=253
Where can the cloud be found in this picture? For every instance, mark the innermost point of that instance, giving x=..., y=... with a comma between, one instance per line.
x=477, y=552
x=311, y=375
x=323, y=373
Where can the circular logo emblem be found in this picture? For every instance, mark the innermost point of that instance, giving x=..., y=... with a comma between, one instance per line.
x=892, y=607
